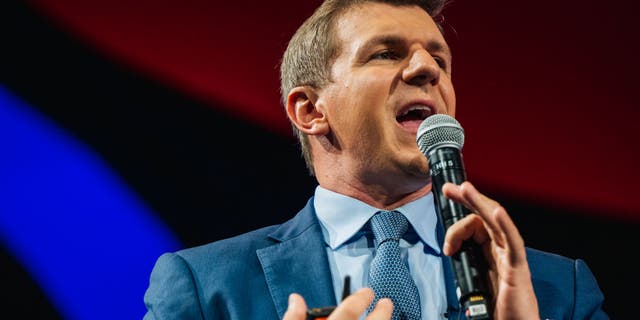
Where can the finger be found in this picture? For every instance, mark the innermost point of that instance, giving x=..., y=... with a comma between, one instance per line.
x=453, y=192
x=479, y=203
x=486, y=208
x=501, y=228
x=469, y=196
x=382, y=310
x=354, y=305
x=297, y=309
x=513, y=240
x=489, y=210
x=461, y=194
x=469, y=227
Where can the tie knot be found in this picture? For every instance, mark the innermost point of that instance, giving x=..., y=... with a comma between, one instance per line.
x=388, y=225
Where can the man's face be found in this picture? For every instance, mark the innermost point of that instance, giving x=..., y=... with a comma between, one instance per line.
x=393, y=69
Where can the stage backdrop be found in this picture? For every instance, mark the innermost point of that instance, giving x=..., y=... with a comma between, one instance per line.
x=134, y=128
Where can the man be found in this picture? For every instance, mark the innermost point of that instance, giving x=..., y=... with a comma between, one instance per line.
x=358, y=78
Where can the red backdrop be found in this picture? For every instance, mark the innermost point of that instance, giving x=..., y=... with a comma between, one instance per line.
x=546, y=94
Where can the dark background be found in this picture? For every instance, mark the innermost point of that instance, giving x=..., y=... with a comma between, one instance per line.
x=182, y=103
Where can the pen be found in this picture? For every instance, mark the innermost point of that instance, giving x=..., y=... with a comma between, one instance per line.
x=323, y=312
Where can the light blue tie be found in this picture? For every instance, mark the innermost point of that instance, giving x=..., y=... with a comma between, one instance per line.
x=389, y=277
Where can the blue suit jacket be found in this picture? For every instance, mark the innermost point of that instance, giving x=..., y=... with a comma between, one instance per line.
x=251, y=276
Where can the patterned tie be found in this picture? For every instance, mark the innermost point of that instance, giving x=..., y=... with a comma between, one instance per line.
x=389, y=276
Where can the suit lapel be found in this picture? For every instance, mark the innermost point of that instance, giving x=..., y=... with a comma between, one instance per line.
x=298, y=263
x=453, y=305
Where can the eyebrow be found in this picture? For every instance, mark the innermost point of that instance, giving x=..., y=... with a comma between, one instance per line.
x=393, y=40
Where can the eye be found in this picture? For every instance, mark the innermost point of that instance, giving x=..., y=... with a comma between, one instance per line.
x=442, y=63
x=384, y=55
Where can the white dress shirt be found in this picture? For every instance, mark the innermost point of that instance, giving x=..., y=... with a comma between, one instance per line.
x=350, y=246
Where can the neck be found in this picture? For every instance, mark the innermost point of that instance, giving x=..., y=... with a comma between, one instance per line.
x=377, y=196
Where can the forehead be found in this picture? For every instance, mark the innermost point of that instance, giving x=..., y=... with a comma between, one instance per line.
x=364, y=22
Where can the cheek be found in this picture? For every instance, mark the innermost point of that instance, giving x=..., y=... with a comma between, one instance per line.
x=343, y=113
x=356, y=106
x=365, y=97
x=449, y=97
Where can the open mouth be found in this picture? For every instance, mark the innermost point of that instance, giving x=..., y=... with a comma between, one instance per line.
x=412, y=117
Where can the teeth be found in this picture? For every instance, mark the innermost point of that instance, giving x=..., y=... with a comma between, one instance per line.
x=425, y=110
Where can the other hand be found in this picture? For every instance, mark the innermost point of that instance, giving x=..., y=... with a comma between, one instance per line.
x=351, y=308
x=493, y=229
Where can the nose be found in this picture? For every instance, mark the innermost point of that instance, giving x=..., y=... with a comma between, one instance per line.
x=422, y=69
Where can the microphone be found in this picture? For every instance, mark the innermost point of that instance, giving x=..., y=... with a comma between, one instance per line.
x=440, y=138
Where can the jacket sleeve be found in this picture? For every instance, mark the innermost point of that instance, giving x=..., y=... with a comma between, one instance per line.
x=172, y=291
x=589, y=298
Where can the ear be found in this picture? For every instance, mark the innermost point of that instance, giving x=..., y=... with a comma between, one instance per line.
x=303, y=112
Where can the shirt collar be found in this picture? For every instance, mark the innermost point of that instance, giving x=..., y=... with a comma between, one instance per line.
x=341, y=217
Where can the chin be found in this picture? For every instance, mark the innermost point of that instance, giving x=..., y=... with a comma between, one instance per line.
x=419, y=166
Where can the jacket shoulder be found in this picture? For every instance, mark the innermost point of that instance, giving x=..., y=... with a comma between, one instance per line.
x=565, y=288
x=201, y=282
x=234, y=247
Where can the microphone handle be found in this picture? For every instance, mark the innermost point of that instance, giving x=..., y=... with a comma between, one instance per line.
x=469, y=265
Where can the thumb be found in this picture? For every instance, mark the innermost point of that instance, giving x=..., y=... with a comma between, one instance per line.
x=297, y=309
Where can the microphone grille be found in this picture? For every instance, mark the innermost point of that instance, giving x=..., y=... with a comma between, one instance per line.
x=439, y=130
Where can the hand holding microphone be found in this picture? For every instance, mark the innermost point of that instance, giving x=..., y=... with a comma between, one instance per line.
x=487, y=252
